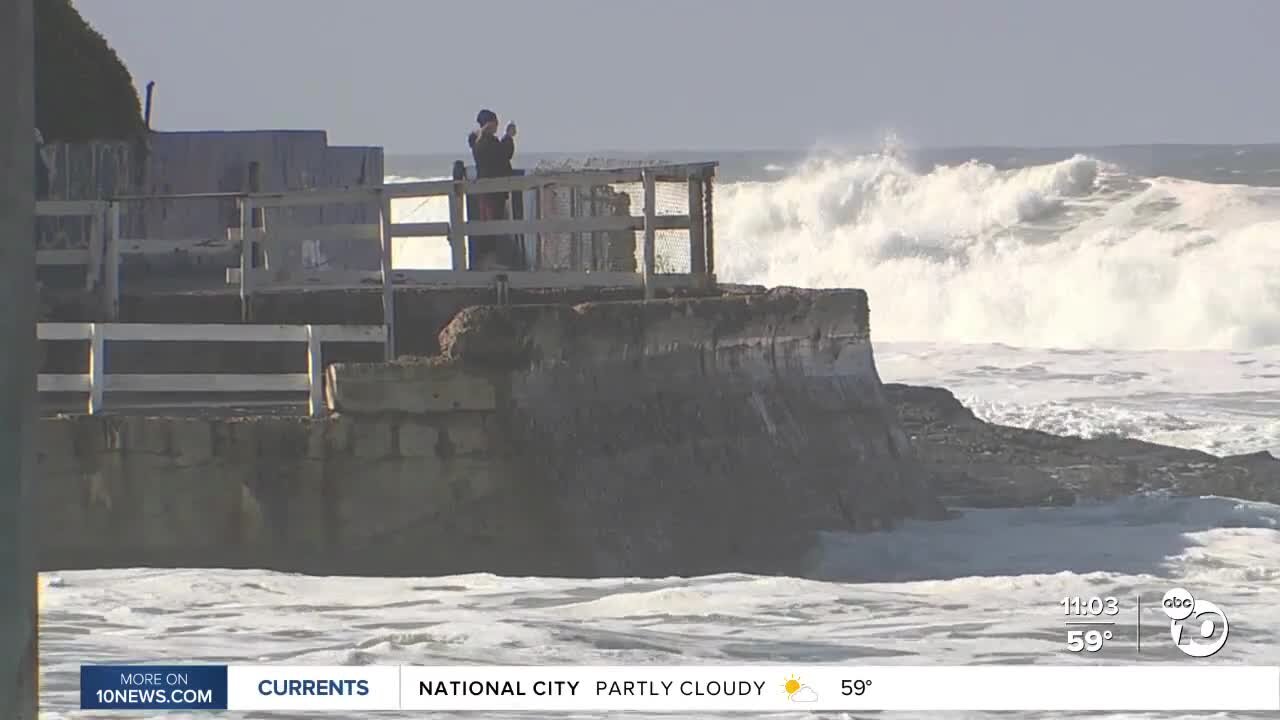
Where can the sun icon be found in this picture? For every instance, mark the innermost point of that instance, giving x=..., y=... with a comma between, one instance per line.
x=792, y=685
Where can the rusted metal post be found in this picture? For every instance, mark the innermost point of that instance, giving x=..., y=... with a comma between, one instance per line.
x=19, y=619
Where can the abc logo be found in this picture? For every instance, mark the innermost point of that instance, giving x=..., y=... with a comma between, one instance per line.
x=1198, y=627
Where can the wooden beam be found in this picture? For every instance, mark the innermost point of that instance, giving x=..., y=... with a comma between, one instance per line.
x=97, y=240
x=388, y=283
x=190, y=246
x=697, y=240
x=268, y=281
x=431, y=229
x=457, y=218
x=70, y=208
x=111, y=281
x=602, y=223
x=312, y=198
x=578, y=178
x=650, y=211
x=350, y=333
x=246, y=257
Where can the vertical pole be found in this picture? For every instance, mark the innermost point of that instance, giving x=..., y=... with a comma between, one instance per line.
x=315, y=372
x=388, y=277
x=93, y=273
x=97, y=367
x=650, y=213
x=457, y=217
x=575, y=238
x=19, y=668
x=257, y=218
x=709, y=220
x=539, y=199
x=246, y=256
x=697, y=238
x=111, y=289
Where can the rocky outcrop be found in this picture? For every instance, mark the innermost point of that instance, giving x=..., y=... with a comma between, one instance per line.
x=973, y=463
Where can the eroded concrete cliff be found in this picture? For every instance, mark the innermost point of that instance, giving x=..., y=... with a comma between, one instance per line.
x=615, y=438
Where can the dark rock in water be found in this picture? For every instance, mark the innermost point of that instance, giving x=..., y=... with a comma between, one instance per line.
x=978, y=464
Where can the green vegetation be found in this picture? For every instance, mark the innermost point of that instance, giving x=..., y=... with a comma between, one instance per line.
x=83, y=90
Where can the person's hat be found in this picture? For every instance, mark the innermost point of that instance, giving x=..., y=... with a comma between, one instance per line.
x=485, y=117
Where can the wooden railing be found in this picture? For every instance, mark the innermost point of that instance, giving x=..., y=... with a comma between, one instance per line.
x=103, y=255
x=96, y=382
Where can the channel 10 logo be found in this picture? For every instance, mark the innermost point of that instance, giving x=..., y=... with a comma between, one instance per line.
x=1198, y=627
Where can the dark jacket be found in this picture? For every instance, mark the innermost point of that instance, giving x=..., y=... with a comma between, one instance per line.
x=492, y=156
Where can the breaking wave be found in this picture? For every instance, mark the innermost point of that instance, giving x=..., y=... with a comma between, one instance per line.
x=1069, y=254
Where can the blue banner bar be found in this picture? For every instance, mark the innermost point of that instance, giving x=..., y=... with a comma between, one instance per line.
x=153, y=687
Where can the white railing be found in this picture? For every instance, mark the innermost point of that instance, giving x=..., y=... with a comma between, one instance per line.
x=697, y=177
x=103, y=255
x=96, y=382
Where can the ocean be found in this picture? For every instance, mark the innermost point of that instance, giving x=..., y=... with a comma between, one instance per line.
x=1081, y=291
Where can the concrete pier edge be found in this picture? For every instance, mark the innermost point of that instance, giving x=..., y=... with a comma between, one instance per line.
x=683, y=436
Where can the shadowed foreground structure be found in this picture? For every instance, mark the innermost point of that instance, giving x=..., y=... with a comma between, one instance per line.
x=614, y=438
x=19, y=667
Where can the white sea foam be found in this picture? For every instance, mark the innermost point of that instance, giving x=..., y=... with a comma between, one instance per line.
x=1071, y=254
x=979, y=589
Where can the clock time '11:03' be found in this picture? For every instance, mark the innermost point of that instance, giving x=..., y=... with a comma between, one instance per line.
x=1091, y=606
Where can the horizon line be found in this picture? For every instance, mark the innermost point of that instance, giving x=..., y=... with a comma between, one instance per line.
x=807, y=149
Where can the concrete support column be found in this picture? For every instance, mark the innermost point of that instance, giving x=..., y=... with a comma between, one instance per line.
x=19, y=667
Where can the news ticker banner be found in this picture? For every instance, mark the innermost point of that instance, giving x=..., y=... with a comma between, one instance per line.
x=751, y=688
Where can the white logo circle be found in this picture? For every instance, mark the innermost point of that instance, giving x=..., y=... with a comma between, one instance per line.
x=1178, y=604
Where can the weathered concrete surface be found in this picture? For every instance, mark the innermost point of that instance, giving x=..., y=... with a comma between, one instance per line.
x=685, y=436
x=669, y=437
x=327, y=496
x=977, y=464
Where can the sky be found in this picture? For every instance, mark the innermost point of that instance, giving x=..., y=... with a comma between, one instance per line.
x=590, y=75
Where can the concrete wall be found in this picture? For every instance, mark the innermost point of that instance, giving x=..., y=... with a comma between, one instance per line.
x=622, y=438
x=420, y=316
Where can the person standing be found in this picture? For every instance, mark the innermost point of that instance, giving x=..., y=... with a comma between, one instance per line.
x=493, y=160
